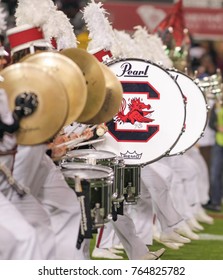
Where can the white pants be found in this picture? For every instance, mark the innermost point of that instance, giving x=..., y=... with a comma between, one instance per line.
x=46, y=182
x=64, y=208
x=34, y=213
x=22, y=236
x=177, y=188
x=164, y=206
x=125, y=229
x=203, y=173
x=142, y=215
x=186, y=169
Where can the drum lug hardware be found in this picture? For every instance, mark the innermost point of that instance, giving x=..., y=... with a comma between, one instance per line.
x=98, y=219
x=130, y=196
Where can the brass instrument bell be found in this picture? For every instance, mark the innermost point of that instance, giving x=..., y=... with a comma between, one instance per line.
x=211, y=85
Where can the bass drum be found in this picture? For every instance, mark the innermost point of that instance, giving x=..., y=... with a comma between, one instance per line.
x=196, y=113
x=152, y=115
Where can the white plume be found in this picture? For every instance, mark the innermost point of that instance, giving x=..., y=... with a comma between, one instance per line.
x=100, y=30
x=151, y=46
x=141, y=37
x=58, y=26
x=124, y=46
x=32, y=12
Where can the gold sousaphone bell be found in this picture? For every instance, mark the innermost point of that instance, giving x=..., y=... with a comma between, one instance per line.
x=68, y=72
x=52, y=109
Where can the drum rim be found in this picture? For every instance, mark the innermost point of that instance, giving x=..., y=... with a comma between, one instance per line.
x=81, y=166
x=205, y=101
x=69, y=154
x=184, y=74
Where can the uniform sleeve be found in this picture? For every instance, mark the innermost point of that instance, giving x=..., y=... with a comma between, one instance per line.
x=5, y=113
x=7, y=125
x=27, y=162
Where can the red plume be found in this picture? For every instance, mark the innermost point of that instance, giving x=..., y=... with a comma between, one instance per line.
x=174, y=20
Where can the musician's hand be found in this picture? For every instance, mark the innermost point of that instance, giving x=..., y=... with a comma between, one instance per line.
x=58, y=150
x=25, y=104
x=87, y=134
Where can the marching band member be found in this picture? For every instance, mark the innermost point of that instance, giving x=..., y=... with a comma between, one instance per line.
x=35, y=169
x=44, y=179
x=56, y=220
x=22, y=243
x=48, y=185
x=123, y=226
x=134, y=246
x=28, y=206
x=22, y=18
x=161, y=195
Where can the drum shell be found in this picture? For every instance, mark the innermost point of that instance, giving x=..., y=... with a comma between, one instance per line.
x=104, y=158
x=100, y=179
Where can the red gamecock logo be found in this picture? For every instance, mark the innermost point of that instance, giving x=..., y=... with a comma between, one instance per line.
x=138, y=112
x=135, y=121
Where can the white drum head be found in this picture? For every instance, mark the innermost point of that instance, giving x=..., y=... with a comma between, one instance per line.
x=196, y=113
x=152, y=114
